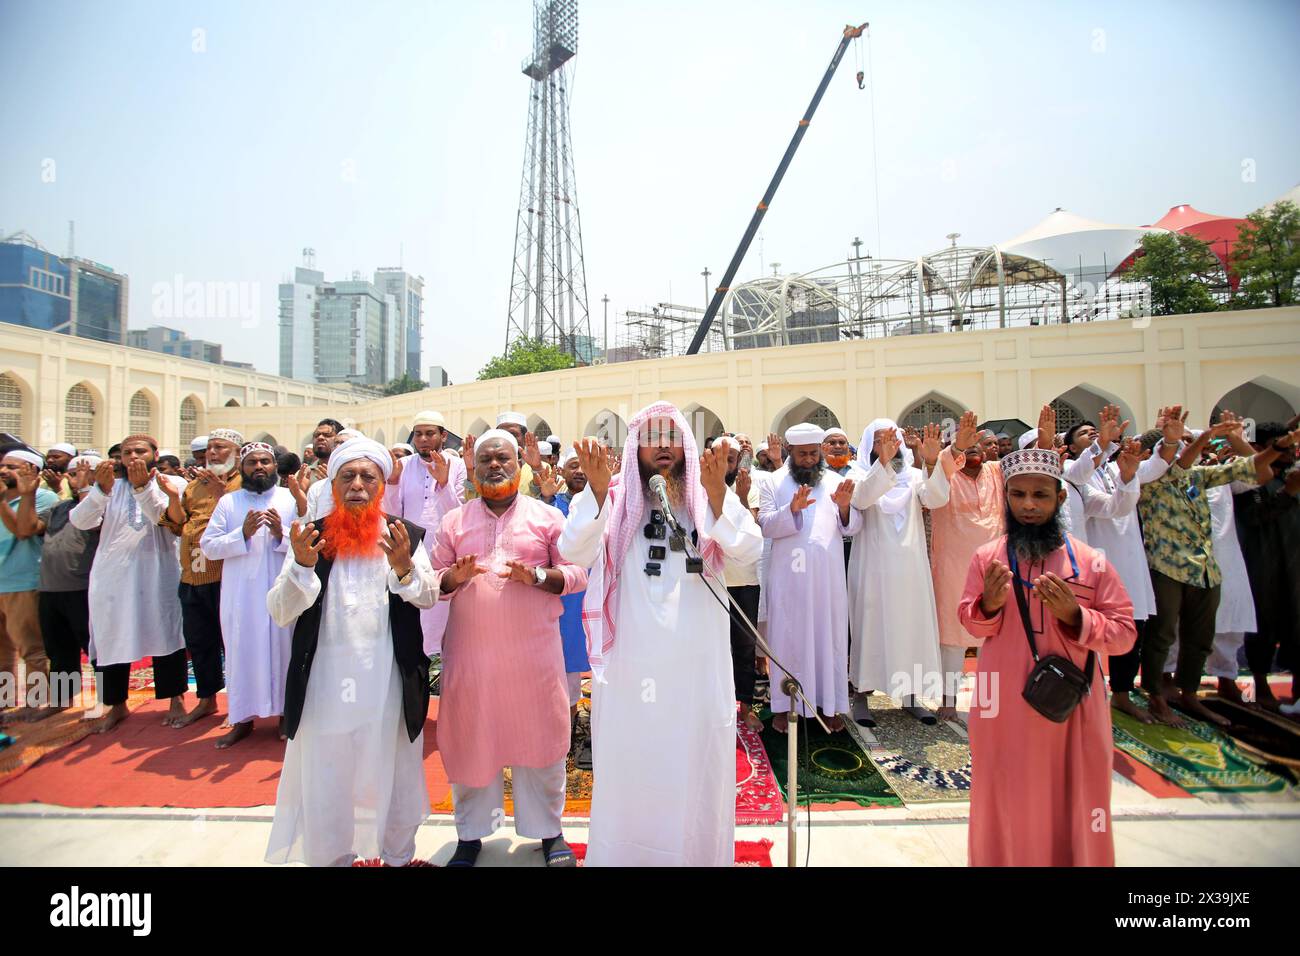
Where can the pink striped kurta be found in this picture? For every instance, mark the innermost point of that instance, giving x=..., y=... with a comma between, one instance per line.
x=504, y=699
x=1040, y=791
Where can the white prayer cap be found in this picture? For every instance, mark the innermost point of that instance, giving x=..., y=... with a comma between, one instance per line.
x=429, y=417
x=1028, y=438
x=512, y=418
x=544, y=448
x=227, y=435
x=355, y=448
x=1032, y=461
x=835, y=431
x=200, y=443
x=567, y=456
x=63, y=447
x=805, y=433
x=27, y=455
x=497, y=434
x=728, y=441
x=348, y=434
x=403, y=445
x=742, y=437
x=762, y=446
x=91, y=459
x=163, y=453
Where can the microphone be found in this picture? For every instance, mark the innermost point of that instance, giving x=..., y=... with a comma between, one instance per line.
x=660, y=489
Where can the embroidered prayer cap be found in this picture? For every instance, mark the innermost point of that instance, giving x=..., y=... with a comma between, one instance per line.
x=149, y=440
x=27, y=455
x=1032, y=461
x=513, y=418
x=355, y=448
x=404, y=446
x=497, y=434
x=429, y=417
x=254, y=446
x=805, y=433
x=226, y=434
x=198, y=443
x=63, y=447
x=835, y=431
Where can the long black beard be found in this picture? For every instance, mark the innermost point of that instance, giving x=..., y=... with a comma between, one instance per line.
x=258, y=484
x=676, y=480
x=1034, y=542
x=811, y=477
x=731, y=477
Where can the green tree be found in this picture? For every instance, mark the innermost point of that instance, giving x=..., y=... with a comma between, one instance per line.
x=1180, y=270
x=1267, y=258
x=524, y=357
x=400, y=386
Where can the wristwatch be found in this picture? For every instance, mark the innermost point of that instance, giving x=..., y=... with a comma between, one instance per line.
x=406, y=578
x=539, y=576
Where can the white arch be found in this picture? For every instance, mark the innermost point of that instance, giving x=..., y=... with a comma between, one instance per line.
x=704, y=422
x=607, y=426
x=933, y=407
x=96, y=417
x=540, y=427
x=18, y=421
x=805, y=410
x=1087, y=399
x=150, y=426
x=1256, y=401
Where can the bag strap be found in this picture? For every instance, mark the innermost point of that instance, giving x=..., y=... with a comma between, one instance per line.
x=1023, y=604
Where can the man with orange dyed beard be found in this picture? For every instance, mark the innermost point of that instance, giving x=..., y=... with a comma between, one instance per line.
x=352, y=784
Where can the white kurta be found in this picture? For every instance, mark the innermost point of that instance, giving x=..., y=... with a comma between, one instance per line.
x=664, y=721
x=1119, y=536
x=808, y=599
x=352, y=784
x=1236, y=612
x=895, y=631
x=134, y=610
x=257, y=649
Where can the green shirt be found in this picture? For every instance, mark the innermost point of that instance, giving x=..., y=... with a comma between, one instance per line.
x=1176, y=526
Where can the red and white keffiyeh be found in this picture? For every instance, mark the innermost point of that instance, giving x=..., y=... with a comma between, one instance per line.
x=626, y=496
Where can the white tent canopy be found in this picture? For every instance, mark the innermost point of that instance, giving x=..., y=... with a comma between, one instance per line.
x=1072, y=244
x=1292, y=195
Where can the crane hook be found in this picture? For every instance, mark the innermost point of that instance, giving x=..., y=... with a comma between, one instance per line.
x=862, y=80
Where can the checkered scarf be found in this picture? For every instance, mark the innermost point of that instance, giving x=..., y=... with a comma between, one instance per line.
x=626, y=498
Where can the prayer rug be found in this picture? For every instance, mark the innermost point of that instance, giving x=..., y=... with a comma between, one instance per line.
x=1196, y=757
x=833, y=768
x=921, y=764
x=1269, y=738
x=748, y=852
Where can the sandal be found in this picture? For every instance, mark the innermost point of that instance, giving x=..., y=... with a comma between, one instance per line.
x=558, y=853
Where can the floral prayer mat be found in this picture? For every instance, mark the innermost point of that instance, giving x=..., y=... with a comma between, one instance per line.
x=1196, y=757
x=832, y=767
x=921, y=764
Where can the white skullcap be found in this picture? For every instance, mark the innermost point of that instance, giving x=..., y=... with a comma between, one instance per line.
x=162, y=454
x=429, y=417
x=91, y=460
x=27, y=455
x=512, y=418
x=1028, y=438
x=410, y=448
x=805, y=433
x=544, y=448
x=728, y=441
x=349, y=433
x=199, y=443
x=63, y=447
x=497, y=434
x=762, y=446
x=355, y=448
x=835, y=431
x=567, y=456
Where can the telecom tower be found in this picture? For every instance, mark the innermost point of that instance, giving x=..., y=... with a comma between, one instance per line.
x=548, y=285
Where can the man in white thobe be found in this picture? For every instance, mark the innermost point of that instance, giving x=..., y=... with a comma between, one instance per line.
x=248, y=531
x=663, y=702
x=353, y=783
x=895, y=631
x=807, y=513
x=132, y=597
x=423, y=488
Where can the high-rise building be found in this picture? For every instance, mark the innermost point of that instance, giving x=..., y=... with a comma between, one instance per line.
x=75, y=296
x=355, y=341
x=298, y=324
x=160, y=338
x=438, y=377
x=408, y=294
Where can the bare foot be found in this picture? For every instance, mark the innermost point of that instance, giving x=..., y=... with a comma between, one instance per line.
x=1190, y=704
x=175, y=712
x=948, y=713
x=235, y=734
x=1161, y=712
x=1264, y=694
x=1122, y=702
x=751, y=719
x=41, y=713
x=1229, y=690
x=116, y=714
x=205, y=707
x=1168, y=689
x=780, y=723
x=835, y=723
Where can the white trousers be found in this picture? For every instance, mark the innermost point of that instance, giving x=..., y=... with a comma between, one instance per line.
x=539, y=804
x=954, y=663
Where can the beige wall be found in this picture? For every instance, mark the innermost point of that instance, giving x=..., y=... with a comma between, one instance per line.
x=1000, y=373
x=46, y=365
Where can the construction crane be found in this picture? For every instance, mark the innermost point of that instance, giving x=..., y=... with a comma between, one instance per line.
x=701, y=334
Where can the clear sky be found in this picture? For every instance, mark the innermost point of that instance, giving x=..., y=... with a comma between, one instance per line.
x=369, y=130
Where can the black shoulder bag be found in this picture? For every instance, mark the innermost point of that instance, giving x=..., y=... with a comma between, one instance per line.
x=1055, y=685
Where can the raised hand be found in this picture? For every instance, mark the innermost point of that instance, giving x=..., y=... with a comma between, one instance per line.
x=1130, y=456
x=252, y=521
x=302, y=479
x=595, y=465
x=396, y=475
x=519, y=573
x=396, y=546
x=105, y=475
x=548, y=481
x=967, y=431
x=138, y=473
x=743, y=486
x=713, y=472
x=802, y=499
x=997, y=585
x=467, y=452
x=1047, y=427
x=1058, y=599
x=80, y=478
x=28, y=479
x=271, y=521
x=461, y=572
x=615, y=462
x=912, y=439
x=320, y=470
x=931, y=444
x=440, y=468
x=215, y=484
x=306, y=542
x=887, y=444
x=775, y=451
x=171, y=491
x=1174, y=424
x=53, y=479
x=843, y=495
x=532, y=456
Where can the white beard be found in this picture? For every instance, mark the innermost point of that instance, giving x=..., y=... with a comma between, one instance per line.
x=224, y=468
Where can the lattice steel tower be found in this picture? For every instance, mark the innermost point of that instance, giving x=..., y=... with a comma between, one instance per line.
x=548, y=286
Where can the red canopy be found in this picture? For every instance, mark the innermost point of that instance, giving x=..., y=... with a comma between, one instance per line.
x=1219, y=231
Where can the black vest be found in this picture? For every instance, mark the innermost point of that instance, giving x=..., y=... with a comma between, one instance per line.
x=408, y=650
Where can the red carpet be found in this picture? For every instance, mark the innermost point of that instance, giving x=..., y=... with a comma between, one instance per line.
x=1146, y=778
x=748, y=852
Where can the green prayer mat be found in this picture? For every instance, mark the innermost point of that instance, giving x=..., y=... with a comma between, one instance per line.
x=838, y=771
x=921, y=764
x=1197, y=757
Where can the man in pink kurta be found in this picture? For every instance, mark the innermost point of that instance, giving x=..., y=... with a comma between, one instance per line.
x=972, y=518
x=505, y=702
x=1040, y=790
